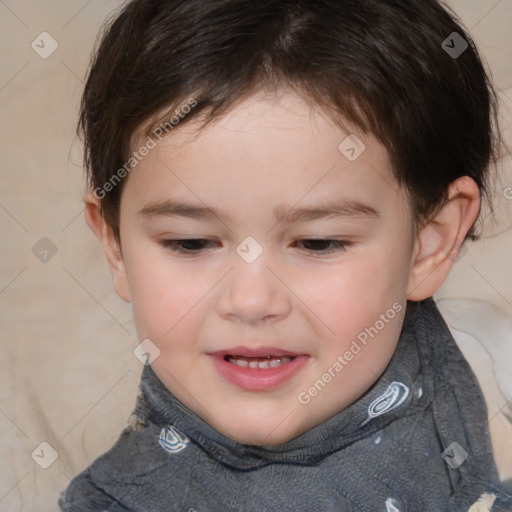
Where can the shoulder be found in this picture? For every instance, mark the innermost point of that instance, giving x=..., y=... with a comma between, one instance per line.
x=118, y=477
x=82, y=495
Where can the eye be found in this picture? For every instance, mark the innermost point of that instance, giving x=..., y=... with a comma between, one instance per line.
x=186, y=246
x=321, y=245
x=194, y=246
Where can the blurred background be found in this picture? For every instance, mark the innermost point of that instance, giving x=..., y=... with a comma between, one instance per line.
x=69, y=377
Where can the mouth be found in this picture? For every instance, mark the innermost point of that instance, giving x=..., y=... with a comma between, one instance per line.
x=257, y=369
x=258, y=362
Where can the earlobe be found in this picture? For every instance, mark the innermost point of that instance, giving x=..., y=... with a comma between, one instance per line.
x=439, y=241
x=98, y=225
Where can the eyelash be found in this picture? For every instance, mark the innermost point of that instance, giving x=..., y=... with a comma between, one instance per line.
x=172, y=245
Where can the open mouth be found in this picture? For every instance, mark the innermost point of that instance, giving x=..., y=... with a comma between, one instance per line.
x=257, y=369
x=258, y=362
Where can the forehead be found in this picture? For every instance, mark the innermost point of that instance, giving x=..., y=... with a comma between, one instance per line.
x=267, y=147
x=263, y=117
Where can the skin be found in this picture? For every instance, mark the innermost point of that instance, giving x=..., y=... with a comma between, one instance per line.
x=265, y=153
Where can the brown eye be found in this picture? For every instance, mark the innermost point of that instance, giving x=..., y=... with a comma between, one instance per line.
x=324, y=246
x=186, y=246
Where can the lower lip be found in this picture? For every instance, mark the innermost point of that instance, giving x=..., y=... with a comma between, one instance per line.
x=258, y=379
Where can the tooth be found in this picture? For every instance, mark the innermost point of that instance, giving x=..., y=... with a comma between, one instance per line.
x=269, y=362
x=239, y=362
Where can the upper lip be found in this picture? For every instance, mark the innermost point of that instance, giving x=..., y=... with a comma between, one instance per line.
x=254, y=352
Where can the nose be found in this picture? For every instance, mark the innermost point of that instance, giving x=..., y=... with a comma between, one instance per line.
x=254, y=292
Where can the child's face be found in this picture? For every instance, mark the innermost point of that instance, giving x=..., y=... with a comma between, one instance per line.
x=295, y=298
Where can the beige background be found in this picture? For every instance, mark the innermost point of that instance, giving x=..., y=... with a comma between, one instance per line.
x=68, y=375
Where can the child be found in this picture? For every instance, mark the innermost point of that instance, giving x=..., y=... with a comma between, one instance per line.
x=280, y=187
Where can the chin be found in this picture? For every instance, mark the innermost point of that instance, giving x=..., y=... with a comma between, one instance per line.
x=264, y=434
x=261, y=440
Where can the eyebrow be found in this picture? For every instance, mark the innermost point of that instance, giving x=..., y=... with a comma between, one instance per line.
x=282, y=213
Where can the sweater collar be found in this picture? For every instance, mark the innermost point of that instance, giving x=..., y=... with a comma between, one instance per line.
x=404, y=387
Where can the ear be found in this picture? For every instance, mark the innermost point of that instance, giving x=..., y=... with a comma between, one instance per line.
x=439, y=241
x=98, y=225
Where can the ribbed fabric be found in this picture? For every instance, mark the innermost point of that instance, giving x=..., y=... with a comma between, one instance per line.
x=382, y=453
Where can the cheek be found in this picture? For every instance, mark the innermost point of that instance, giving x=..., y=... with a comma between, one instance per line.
x=351, y=297
x=164, y=298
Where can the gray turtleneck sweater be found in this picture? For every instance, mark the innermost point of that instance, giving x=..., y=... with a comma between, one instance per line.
x=417, y=441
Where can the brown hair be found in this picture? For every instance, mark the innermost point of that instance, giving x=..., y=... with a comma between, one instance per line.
x=378, y=64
